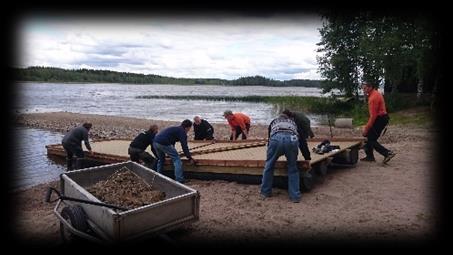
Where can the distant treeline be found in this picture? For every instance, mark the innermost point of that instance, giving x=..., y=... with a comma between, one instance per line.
x=52, y=74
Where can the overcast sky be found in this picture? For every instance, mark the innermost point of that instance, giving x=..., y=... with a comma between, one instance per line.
x=220, y=46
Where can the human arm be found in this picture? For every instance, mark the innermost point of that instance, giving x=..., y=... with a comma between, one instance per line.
x=269, y=131
x=185, y=147
x=303, y=146
x=196, y=131
x=86, y=141
x=233, y=134
x=373, y=106
x=210, y=130
x=310, y=133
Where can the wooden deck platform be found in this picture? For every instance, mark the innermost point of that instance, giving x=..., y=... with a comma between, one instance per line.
x=243, y=157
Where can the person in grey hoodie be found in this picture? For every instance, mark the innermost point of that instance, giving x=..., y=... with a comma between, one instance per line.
x=72, y=143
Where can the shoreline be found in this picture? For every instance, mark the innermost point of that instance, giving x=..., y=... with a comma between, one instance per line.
x=75, y=82
x=118, y=127
x=370, y=201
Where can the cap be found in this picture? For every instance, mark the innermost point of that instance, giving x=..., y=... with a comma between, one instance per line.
x=227, y=112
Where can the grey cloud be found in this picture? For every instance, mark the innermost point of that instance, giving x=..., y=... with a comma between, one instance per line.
x=295, y=70
x=108, y=51
x=102, y=62
x=165, y=46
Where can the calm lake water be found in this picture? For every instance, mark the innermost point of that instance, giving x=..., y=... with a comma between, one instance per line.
x=120, y=100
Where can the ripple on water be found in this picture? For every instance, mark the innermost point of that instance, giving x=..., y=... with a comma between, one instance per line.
x=31, y=165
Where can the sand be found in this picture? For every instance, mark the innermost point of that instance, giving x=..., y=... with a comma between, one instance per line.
x=370, y=201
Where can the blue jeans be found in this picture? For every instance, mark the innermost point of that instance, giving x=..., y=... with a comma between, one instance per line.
x=170, y=150
x=282, y=144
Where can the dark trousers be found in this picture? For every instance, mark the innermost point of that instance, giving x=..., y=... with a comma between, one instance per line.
x=137, y=154
x=72, y=150
x=373, y=134
x=239, y=132
x=303, y=146
x=206, y=137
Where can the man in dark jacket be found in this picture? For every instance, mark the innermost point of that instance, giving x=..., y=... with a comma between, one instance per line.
x=304, y=130
x=202, y=129
x=72, y=143
x=137, y=148
x=164, y=143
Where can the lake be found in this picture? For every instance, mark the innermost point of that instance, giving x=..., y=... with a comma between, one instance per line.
x=121, y=100
x=32, y=165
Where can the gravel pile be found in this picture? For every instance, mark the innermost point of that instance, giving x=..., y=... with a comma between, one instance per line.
x=126, y=189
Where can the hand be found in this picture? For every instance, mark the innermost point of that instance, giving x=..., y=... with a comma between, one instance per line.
x=192, y=161
x=91, y=152
x=364, y=133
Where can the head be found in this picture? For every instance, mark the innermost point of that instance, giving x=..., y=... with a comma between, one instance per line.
x=367, y=87
x=87, y=125
x=284, y=116
x=186, y=124
x=197, y=120
x=228, y=114
x=153, y=129
x=288, y=113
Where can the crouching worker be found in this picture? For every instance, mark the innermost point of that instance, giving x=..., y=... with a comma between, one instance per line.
x=137, y=148
x=239, y=123
x=202, y=129
x=283, y=140
x=72, y=143
x=164, y=143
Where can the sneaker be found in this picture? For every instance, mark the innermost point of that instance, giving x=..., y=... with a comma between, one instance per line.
x=390, y=155
x=263, y=197
x=367, y=159
x=295, y=200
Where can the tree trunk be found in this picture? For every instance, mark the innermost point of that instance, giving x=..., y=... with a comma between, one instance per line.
x=395, y=83
x=419, y=89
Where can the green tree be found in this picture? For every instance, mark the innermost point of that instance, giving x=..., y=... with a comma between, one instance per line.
x=378, y=47
x=340, y=60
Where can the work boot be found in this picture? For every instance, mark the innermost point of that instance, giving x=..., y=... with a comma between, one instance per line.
x=390, y=155
x=368, y=159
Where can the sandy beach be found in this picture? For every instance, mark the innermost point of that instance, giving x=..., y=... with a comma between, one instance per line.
x=370, y=201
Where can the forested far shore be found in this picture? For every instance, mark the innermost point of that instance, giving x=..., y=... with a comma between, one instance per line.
x=52, y=74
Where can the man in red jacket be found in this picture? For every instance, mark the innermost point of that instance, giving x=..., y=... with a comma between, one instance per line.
x=377, y=121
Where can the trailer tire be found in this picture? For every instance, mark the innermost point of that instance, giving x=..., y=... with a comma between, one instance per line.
x=354, y=155
x=307, y=182
x=77, y=218
x=321, y=169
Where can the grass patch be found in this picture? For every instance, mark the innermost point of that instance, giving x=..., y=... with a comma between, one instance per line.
x=419, y=116
x=397, y=105
x=318, y=105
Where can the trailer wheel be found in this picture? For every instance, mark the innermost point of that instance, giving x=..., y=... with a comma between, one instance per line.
x=77, y=218
x=354, y=155
x=307, y=182
x=321, y=169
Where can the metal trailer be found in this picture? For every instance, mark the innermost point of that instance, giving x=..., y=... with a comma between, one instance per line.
x=83, y=215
